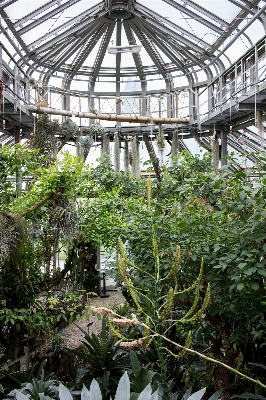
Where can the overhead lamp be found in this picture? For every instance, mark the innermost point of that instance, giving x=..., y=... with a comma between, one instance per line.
x=124, y=49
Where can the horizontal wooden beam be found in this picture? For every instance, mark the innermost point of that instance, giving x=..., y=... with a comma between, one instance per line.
x=108, y=117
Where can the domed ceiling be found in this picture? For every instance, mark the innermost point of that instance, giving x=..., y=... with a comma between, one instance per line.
x=76, y=38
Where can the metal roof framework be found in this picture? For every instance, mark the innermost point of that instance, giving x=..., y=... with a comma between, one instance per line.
x=51, y=52
x=46, y=42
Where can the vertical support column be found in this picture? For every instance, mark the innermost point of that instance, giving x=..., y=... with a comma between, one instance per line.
x=210, y=97
x=224, y=88
x=235, y=77
x=143, y=111
x=197, y=114
x=91, y=105
x=66, y=96
x=16, y=86
x=118, y=64
x=260, y=127
x=168, y=97
x=2, y=86
x=1, y=61
x=256, y=64
x=176, y=104
x=191, y=100
x=224, y=150
x=243, y=75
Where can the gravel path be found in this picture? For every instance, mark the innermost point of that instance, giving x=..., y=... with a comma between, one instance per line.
x=73, y=336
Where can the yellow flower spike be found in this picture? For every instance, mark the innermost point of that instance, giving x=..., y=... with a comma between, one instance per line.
x=133, y=294
x=146, y=331
x=195, y=303
x=176, y=265
x=188, y=344
x=116, y=331
x=168, y=303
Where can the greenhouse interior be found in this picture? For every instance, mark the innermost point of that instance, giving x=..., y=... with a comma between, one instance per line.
x=133, y=199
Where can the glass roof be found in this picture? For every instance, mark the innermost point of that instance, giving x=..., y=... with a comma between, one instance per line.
x=73, y=36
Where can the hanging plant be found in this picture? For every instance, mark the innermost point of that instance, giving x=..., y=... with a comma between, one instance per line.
x=96, y=129
x=160, y=138
x=86, y=142
x=175, y=144
x=44, y=137
x=135, y=160
x=32, y=82
x=130, y=157
x=126, y=157
x=93, y=110
x=106, y=144
x=69, y=128
x=116, y=153
x=215, y=151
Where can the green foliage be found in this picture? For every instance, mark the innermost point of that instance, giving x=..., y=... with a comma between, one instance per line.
x=18, y=379
x=16, y=160
x=141, y=377
x=103, y=361
x=37, y=389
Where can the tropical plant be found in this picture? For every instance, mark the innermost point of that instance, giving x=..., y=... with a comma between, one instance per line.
x=11, y=376
x=42, y=390
x=141, y=377
x=103, y=360
x=36, y=389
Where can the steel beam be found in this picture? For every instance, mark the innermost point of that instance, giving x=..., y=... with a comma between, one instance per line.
x=79, y=44
x=168, y=32
x=10, y=26
x=7, y=3
x=1, y=64
x=151, y=50
x=233, y=26
x=78, y=23
x=137, y=59
x=44, y=18
x=76, y=32
x=243, y=6
x=184, y=32
x=161, y=45
x=56, y=52
x=207, y=13
x=117, y=67
x=87, y=50
x=252, y=106
x=194, y=16
x=102, y=50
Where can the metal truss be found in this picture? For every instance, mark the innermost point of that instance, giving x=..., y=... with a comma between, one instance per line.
x=181, y=46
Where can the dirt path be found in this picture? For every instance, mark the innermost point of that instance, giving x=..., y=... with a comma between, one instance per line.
x=73, y=336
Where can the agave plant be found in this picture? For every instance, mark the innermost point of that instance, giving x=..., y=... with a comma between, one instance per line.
x=36, y=389
x=122, y=393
